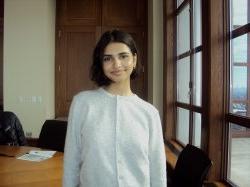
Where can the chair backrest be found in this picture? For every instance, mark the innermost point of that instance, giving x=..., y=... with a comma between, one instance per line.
x=11, y=131
x=52, y=135
x=191, y=168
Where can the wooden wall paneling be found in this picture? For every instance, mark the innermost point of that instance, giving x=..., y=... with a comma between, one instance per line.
x=205, y=76
x=124, y=13
x=168, y=94
x=215, y=45
x=75, y=48
x=79, y=12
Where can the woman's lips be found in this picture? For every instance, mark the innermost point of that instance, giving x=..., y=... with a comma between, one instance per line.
x=116, y=72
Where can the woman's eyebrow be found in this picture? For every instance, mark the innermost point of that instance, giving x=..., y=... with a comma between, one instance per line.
x=122, y=53
x=107, y=55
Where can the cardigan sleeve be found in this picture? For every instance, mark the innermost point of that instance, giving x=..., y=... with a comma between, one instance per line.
x=72, y=149
x=157, y=156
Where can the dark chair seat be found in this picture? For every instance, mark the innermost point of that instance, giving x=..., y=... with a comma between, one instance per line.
x=191, y=168
x=52, y=135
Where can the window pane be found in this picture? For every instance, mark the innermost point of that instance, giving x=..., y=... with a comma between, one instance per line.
x=183, y=79
x=179, y=2
x=239, y=88
x=239, y=155
x=239, y=91
x=197, y=85
x=183, y=31
x=239, y=49
x=239, y=76
x=197, y=129
x=197, y=23
x=182, y=132
x=239, y=12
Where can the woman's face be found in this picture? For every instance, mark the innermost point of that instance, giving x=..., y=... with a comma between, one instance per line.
x=118, y=62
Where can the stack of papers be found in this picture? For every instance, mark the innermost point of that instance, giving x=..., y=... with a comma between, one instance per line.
x=37, y=156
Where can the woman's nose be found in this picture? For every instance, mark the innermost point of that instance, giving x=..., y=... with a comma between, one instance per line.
x=117, y=62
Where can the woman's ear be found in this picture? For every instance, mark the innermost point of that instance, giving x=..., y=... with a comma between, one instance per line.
x=134, y=60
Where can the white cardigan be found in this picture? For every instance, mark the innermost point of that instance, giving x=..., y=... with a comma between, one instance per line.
x=113, y=141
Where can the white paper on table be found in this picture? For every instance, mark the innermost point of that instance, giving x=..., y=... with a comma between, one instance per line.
x=37, y=156
x=47, y=154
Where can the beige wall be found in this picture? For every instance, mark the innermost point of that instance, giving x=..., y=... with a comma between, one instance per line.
x=29, y=50
x=155, y=53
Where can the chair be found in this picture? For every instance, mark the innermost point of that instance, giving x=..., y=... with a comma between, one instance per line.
x=191, y=168
x=11, y=130
x=52, y=135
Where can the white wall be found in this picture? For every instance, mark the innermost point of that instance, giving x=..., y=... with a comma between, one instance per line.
x=29, y=50
x=155, y=53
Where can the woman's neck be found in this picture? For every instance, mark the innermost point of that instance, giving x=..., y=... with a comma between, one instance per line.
x=119, y=89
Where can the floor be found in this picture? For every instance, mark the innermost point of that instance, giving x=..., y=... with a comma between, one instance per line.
x=240, y=161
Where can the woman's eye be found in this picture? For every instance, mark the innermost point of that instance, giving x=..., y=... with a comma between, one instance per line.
x=106, y=59
x=123, y=56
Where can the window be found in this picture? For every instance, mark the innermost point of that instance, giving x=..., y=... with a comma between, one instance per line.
x=188, y=72
x=238, y=117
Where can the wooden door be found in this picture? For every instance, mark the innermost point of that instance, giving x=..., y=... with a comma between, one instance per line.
x=79, y=26
x=74, y=46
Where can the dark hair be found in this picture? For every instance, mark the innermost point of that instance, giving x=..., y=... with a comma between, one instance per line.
x=96, y=71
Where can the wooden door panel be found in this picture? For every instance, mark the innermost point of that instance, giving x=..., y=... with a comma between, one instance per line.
x=123, y=13
x=78, y=12
x=80, y=47
x=76, y=48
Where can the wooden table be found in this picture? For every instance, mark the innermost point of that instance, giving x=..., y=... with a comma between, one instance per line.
x=22, y=173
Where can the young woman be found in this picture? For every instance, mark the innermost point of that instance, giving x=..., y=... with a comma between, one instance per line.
x=114, y=138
